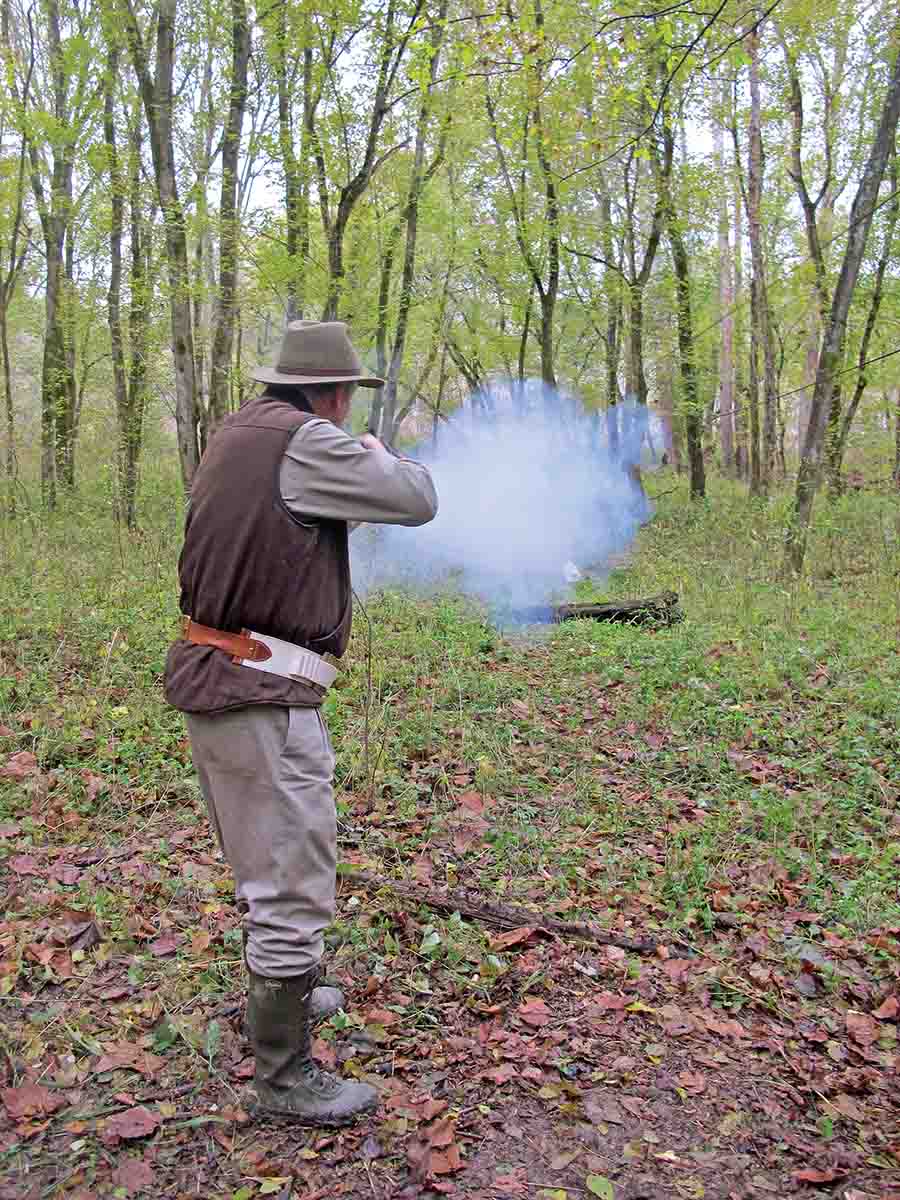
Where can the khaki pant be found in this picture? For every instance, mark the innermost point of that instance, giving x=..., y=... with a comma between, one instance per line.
x=266, y=775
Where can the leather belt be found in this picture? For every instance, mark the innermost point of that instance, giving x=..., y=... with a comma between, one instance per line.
x=264, y=653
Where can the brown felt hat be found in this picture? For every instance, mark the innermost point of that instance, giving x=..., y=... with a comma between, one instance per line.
x=316, y=352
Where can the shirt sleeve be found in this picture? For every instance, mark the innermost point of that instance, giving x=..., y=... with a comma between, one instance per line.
x=325, y=473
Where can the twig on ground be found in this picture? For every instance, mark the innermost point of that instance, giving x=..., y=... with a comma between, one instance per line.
x=502, y=916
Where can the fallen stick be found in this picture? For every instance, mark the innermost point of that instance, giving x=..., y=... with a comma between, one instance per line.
x=657, y=610
x=501, y=916
x=651, y=608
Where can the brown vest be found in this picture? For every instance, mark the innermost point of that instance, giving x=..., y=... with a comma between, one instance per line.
x=248, y=563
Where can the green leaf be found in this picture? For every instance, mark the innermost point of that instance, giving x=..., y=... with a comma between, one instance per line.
x=164, y=1036
x=599, y=1185
x=430, y=942
x=213, y=1040
x=273, y=1184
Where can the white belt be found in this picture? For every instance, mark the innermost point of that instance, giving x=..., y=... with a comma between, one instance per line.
x=292, y=662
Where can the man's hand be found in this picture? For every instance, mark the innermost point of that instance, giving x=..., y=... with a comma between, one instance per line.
x=371, y=442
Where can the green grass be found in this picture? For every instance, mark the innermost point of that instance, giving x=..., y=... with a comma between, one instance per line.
x=728, y=785
x=746, y=756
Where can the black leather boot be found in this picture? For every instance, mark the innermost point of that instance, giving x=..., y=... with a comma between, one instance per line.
x=288, y=1084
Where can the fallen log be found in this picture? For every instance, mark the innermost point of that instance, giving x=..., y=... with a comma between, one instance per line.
x=662, y=608
x=650, y=610
x=500, y=916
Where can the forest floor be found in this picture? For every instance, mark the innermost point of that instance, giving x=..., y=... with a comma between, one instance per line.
x=726, y=788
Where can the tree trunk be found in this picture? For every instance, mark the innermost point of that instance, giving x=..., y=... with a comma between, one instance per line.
x=439, y=401
x=547, y=294
x=203, y=286
x=690, y=401
x=158, y=97
x=638, y=276
x=839, y=446
x=141, y=274
x=611, y=340
x=672, y=423
x=223, y=335
x=10, y=456
x=67, y=418
x=896, y=392
x=237, y=374
x=16, y=247
x=420, y=177
x=762, y=450
x=55, y=215
x=741, y=453
x=54, y=366
x=393, y=49
x=523, y=339
x=770, y=392
x=807, y=204
x=757, y=487
x=547, y=289
x=809, y=474
x=293, y=173
x=726, y=346
x=812, y=361
x=637, y=380
x=114, y=292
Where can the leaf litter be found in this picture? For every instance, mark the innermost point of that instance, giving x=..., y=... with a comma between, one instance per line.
x=512, y=1063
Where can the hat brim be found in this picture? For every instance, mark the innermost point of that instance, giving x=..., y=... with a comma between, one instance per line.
x=271, y=375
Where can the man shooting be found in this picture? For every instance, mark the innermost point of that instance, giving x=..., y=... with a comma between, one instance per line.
x=266, y=597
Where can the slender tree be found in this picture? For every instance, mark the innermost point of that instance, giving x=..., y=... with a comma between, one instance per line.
x=726, y=300
x=157, y=92
x=691, y=406
x=229, y=221
x=809, y=474
x=15, y=243
x=837, y=445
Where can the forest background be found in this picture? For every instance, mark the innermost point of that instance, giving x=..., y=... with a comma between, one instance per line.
x=694, y=208
x=689, y=207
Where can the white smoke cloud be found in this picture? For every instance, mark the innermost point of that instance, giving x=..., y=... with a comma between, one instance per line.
x=530, y=486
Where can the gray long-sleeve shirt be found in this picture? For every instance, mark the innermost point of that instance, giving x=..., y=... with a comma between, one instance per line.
x=325, y=473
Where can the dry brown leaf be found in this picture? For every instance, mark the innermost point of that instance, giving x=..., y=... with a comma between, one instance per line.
x=888, y=1009
x=534, y=1012
x=20, y=765
x=512, y=937
x=134, y=1175
x=381, y=1016
x=24, y=864
x=30, y=1100
x=472, y=802
x=862, y=1028
x=601, y=1108
x=693, y=1082
x=200, y=942
x=164, y=945
x=500, y=1074
x=847, y=1106
x=441, y=1133
x=815, y=1175
x=123, y=1056
x=133, y=1123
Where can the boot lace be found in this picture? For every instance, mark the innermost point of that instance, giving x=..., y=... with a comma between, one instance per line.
x=323, y=1082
